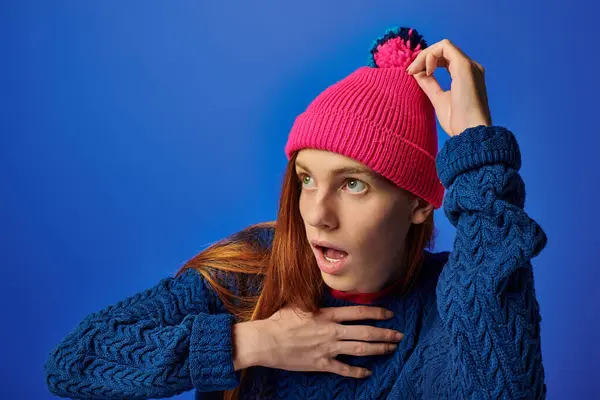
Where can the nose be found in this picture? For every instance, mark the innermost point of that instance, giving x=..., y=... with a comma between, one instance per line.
x=320, y=211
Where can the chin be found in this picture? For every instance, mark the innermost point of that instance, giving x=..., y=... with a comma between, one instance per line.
x=341, y=283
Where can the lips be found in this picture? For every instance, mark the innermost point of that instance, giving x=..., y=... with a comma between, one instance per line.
x=334, y=261
x=327, y=245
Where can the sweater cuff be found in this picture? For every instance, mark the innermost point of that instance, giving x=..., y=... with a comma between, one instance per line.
x=475, y=148
x=211, y=353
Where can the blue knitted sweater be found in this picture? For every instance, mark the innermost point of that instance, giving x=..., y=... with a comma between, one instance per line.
x=471, y=323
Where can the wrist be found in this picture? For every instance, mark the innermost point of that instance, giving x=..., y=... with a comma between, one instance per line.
x=251, y=341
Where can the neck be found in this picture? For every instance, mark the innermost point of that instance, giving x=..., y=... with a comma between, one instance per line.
x=393, y=284
x=367, y=298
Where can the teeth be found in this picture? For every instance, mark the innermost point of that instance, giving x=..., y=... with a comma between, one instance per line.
x=333, y=260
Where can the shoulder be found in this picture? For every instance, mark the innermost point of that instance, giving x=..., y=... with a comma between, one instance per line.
x=436, y=259
x=245, y=255
x=426, y=281
x=429, y=275
x=259, y=236
x=433, y=264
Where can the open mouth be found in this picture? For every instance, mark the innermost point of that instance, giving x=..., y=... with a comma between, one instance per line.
x=332, y=255
x=330, y=260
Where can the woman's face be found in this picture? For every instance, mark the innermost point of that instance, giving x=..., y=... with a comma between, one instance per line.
x=348, y=207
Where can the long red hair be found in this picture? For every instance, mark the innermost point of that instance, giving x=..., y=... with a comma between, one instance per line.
x=288, y=270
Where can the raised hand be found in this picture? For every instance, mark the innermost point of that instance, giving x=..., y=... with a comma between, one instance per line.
x=465, y=105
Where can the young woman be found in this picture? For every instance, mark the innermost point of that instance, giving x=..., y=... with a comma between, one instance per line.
x=339, y=297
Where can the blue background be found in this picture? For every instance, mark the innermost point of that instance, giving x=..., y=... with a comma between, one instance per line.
x=135, y=134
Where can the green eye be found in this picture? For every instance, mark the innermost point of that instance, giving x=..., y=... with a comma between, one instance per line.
x=305, y=180
x=353, y=184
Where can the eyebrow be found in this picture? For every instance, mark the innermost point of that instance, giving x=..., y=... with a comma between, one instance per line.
x=346, y=170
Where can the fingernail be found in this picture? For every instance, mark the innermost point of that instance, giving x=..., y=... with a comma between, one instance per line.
x=399, y=336
x=389, y=314
x=368, y=373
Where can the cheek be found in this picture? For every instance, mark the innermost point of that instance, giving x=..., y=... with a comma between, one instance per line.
x=304, y=207
x=383, y=235
x=302, y=204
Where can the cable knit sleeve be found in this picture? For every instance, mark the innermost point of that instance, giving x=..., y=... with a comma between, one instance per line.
x=155, y=344
x=485, y=293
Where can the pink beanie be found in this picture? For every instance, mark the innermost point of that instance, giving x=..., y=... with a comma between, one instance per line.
x=379, y=116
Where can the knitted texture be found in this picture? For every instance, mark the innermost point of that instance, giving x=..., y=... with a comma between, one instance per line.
x=380, y=117
x=471, y=323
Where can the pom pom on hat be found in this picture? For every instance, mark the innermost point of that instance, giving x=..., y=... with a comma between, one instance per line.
x=397, y=48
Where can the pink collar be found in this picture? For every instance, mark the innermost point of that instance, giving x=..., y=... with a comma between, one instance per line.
x=364, y=298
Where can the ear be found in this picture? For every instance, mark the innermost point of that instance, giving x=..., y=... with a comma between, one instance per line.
x=420, y=210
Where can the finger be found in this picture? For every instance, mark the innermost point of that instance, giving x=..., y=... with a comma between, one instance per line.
x=353, y=348
x=354, y=313
x=429, y=84
x=418, y=63
x=434, y=92
x=455, y=59
x=367, y=333
x=430, y=63
x=458, y=62
x=337, y=367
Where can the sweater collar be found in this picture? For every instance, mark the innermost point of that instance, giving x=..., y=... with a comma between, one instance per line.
x=365, y=298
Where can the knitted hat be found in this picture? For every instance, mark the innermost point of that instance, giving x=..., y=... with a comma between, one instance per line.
x=379, y=116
